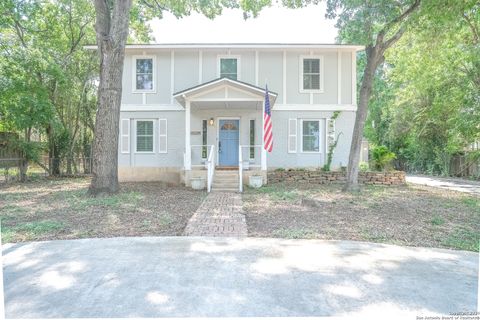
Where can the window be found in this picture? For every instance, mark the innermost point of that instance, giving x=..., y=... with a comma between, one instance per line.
x=204, y=140
x=311, y=74
x=311, y=136
x=252, y=139
x=144, y=76
x=144, y=135
x=228, y=67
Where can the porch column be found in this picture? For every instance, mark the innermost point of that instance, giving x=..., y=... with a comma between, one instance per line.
x=188, y=148
x=264, y=152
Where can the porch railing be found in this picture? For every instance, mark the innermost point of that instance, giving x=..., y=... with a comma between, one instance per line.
x=210, y=167
x=240, y=169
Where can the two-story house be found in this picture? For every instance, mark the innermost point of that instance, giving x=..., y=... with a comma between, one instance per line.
x=189, y=110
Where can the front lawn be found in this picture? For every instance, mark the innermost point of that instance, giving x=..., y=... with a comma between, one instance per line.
x=407, y=215
x=50, y=209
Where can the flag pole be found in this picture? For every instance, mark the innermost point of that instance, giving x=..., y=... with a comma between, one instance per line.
x=264, y=152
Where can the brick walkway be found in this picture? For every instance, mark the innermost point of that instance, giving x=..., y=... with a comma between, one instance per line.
x=219, y=215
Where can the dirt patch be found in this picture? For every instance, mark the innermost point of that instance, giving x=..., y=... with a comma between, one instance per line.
x=407, y=215
x=61, y=209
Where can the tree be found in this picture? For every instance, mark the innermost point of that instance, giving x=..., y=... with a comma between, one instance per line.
x=425, y=104
x=112, y=29
x=378, y=25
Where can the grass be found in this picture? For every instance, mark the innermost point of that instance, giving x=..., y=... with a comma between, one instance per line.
x=294, y=233
x=50, y=209
x=277, y=193
x=404, y=215
x=463, y=238
x=437, y=221
x=31, y=230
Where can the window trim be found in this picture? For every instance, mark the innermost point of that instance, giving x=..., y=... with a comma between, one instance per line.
x=153, y=137
x=230, y=56
x=134, y=74
x=300, y=71
x=319, y=135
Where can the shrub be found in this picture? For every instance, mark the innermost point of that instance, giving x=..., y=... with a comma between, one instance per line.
x=382, y=158
x=364, y=166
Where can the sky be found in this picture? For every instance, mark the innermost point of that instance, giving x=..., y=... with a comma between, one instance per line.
x=273, y=25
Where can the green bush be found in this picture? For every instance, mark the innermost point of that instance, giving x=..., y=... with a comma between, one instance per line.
x=364, y=166
x=382, y=158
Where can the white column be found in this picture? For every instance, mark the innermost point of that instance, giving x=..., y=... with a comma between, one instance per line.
x=264, y=152
x=188, y=148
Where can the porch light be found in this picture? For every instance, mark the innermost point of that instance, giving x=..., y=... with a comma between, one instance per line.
x=211, y=122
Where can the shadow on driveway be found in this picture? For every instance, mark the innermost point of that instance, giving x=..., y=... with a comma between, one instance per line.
x=184, y=277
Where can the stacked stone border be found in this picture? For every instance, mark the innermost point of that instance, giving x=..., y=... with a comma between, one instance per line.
x=322, y=177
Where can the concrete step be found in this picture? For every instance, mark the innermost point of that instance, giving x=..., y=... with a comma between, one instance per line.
x=225, y=179
x=226, y=175
x=224, y=185
x=224, y=189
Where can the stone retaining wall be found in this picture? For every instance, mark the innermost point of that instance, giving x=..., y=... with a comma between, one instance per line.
x=321, y=177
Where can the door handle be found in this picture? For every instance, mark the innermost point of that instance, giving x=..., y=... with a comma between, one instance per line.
x=219, y=146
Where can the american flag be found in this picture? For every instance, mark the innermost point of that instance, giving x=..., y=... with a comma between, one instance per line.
x=267, y=124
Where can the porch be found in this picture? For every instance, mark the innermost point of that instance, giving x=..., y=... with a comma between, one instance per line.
x=224, y=130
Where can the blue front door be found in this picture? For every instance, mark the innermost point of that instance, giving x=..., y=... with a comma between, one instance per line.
x=228, y=143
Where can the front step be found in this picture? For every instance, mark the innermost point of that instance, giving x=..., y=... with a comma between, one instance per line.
x=225, y=181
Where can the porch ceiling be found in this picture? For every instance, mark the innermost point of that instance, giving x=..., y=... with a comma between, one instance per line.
x=224, y=93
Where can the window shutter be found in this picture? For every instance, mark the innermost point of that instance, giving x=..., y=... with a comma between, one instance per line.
x=125, y=136
x=330, y=132
x=292, y=135
x=162, y=135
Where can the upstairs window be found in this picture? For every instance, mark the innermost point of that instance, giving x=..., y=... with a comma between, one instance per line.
x=311, y=74
x=144, y=76
x=228, y=67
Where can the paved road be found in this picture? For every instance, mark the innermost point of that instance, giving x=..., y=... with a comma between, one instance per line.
x=188, y=276
x=461, y=185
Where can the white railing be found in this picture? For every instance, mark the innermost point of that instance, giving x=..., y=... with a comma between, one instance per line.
x=240, y=169
x=210, y=167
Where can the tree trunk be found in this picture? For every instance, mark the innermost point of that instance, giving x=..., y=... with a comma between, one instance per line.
x=373, y=59
x=112, y=31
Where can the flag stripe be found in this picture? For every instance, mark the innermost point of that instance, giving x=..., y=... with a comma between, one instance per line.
x=267, y=126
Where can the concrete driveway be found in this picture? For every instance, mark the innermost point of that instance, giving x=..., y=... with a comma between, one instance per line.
x=461, y=185
x=183, y=277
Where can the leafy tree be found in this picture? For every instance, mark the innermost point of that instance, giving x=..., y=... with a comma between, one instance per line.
x=112, y=29
x=378, y=25
x=427, y=108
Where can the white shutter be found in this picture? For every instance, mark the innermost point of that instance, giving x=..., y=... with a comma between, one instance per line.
x=330, y=132
x=292, y=135
x=162, y=136
x=125, y=136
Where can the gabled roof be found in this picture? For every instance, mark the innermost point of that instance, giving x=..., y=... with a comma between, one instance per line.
x=180, y=96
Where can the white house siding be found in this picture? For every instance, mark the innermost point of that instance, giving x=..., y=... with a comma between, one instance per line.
x=175, y=141
x=280, y=158
x=346, y=78
x=257, y=65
